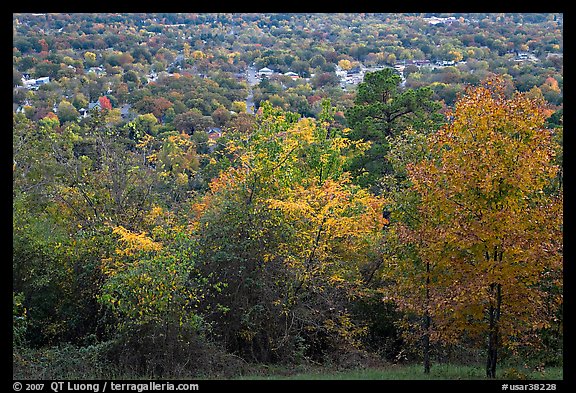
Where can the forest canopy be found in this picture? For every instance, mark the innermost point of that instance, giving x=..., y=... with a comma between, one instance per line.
x=198, y=195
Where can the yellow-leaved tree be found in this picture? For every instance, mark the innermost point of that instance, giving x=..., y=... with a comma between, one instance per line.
x=287, y=233
x=487, y=242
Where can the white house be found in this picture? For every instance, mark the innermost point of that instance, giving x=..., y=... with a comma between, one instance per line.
x=262, y=72
x=29, y=83
x=436, y=20
x=97, y=70
x=35, y=83
x=292, y=75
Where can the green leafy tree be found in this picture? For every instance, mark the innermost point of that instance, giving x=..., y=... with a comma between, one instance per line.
x=285, y=231
x=142, y=125
x=382, y=110
x=67, y=112
x=192, y=121
x=56, y=247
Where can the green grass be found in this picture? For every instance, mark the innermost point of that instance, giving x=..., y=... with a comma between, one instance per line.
x=69, y=362
x=410, y=372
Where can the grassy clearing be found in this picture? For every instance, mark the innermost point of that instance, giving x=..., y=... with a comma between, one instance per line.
x=410, y=372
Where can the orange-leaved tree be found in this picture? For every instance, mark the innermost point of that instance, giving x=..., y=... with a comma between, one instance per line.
x=488, y=234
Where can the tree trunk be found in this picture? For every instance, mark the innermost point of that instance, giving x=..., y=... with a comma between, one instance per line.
x=493, y=333
x=426, y=338
x=426, y=343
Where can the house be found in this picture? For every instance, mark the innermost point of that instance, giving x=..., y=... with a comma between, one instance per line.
x=43, y=80
x=93, y=105
x=214, y=133
x=525, y=56
x=354, y=76
x=554, y=55
x=418, y=63
x=125, y=112
x=18, y=108
x=265, y=72
x=340, y=72
x=35, y=83
x=85, y=112
x=99, y=71
x=292, y=75
x=152, y=77
x=29, y=83
x=355, y=70
x=434, y=20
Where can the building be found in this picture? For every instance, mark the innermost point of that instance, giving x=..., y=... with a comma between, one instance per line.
x=292, y=75
x=35, y=83
x=96, y=70
x=434, y=20
x=525, y=56
x=214, y=133
x=43, y=80
x=265, y=72
x=126, y=112
x=93, y=105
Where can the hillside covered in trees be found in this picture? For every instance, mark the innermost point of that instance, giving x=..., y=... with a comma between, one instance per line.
x=199, y=195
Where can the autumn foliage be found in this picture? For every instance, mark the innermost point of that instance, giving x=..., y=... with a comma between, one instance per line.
x=288, y=232
x=262, y=247
x=105, y=103
x=488, y=237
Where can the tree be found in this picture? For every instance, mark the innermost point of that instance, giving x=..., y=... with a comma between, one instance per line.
x=152, y=289
x=46, y=68
x=318, y=61
x=177, y=163
x=16, y=78
x=125, y=58
x=147, y=282
x=322, y=79
x=80, y=101
x=382, y=109
x=192, y=120
x=131, y=76
x=239, y=106
x=141, y=125
x=90, y=59
x=186, y=51
x=67, y=183
x=198, y=55
x=221, y=116
x=345, y=64
x=105, y=103
x=286, y=232
x=242, y=122
x=488, y=236
x=122, y=92
x=155, y=105
x=67, y=112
